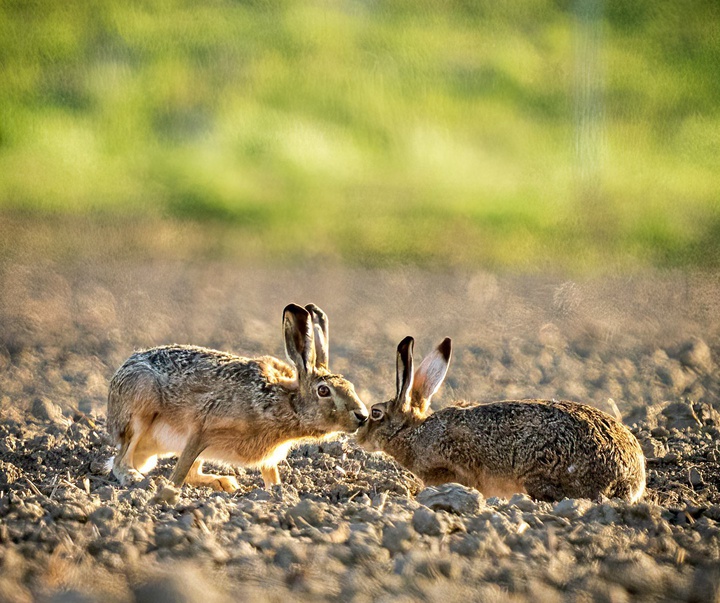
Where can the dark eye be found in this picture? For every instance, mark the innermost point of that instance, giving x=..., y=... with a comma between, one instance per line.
x=376, y=414
x=323, y=391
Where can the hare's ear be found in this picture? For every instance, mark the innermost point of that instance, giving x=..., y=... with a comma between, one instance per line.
x=404, y=370
x=299, y=338
x=321, y=329
x=430, y=375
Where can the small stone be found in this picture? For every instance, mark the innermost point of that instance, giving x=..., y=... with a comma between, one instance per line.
x=45, y=410
x=426, y=522
x=106, y=493
x=454, y=498
x=571, y=508
x=363, y=500
x=102, y=515
x=167, y=494
x=705, y=587
x=434, y=568
x=288, y=554
x=309, y=512
x=671, y=457
x=363, y=546
x=523, y=502
x=695, y=478
x=641, y=574
x=396, y=537
x=73, y=511
x=671, y=374
x=697, y=356
x=652, y=448
x=659, y=432
x=183, y=584
x=259, y=494
x=466, y=545
x=168, y=536
x=34, y=512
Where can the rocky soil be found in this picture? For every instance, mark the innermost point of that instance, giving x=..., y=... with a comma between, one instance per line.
x=347, y=525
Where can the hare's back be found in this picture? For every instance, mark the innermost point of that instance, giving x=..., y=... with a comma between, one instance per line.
x=183, y=361
x=521, y=435
x=180, y=376
x=547, y=422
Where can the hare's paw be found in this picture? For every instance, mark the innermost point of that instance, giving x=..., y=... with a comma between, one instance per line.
x=128, y=477
x=225, y=483
x=219, y=483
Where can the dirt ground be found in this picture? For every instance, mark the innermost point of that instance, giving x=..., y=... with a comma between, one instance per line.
x=347, y=525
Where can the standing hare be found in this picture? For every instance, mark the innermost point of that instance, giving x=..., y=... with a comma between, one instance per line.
x=204, y=404
x=545, y=448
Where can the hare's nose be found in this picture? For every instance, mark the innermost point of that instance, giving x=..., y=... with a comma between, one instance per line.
x=361, y=416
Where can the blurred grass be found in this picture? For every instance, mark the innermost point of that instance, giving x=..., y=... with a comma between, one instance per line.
x=440, y=133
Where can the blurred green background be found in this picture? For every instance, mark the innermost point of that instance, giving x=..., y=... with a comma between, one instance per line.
x=511, y=135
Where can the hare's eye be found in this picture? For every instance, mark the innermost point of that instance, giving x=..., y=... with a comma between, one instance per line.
x=323, y=391
x=376, y=414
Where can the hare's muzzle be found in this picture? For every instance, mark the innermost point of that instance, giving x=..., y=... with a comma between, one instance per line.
x=361, y=415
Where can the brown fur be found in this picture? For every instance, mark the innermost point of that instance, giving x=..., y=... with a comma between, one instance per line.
x=206, y=404
x=548, y=449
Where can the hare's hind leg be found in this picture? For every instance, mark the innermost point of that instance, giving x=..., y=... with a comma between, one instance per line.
x=221, y=483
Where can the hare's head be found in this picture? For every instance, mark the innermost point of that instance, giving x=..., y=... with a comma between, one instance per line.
x=325, y=400
x=411, y=403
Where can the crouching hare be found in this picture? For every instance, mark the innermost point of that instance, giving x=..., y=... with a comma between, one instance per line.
x=203, y=404
x=545, y=448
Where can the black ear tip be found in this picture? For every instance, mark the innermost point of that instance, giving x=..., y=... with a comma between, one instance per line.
x=295, y=309
x=446, y=347
x=315, y=310
x=406, y=344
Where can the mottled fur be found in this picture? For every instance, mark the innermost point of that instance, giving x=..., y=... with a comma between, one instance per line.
x=548, y=449
x=208, y=405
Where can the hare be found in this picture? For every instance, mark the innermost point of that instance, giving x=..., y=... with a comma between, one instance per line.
x=204, y=404
x=545, y=448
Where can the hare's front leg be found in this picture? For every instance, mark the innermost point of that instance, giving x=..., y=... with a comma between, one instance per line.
x=271, y=476
x=221, y=483
x=125, y=468
x=188, y=457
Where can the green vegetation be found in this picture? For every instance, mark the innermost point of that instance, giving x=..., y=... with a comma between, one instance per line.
x=439, y=132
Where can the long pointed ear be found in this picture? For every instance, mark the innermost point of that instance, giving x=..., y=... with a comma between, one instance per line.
x=404, y=371
x=299, y=338
x=321, y=330
x=430, y=375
